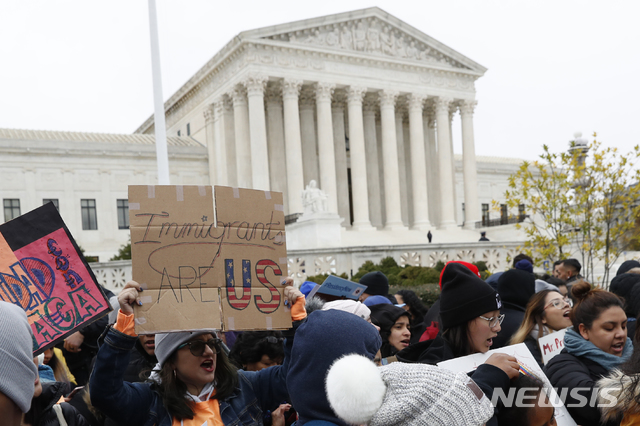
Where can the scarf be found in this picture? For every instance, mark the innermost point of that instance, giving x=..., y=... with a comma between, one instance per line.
x=576, y=345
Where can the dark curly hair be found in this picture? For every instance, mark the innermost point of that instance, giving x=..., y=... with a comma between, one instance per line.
x=250, y=346
x=416, y=307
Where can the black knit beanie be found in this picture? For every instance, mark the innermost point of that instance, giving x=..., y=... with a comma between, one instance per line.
x=376, y=282
x=627, y=265
x=464, y=296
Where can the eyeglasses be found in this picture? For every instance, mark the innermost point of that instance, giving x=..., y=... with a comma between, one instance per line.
x=560, y=303
x=197, y=346
x=493, y=321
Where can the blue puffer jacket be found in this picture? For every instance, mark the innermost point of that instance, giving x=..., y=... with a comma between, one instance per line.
x=138, y=404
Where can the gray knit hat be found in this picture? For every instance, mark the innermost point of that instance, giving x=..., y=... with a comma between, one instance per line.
x=18, y=372
x=404, y=394
x=167, y=343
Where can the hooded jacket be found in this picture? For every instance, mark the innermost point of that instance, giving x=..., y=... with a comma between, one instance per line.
x=515, y=287
x=43, y=412
x=321, y=340
x=618, y=398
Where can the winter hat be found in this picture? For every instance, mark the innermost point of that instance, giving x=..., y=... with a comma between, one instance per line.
x=352, y=306
x=18, y=373
x=404, y=394
x=621, y=285
x=524, y=265
x=306, y=287
x=322, y=339
x=626, y=266
x=633, y=303
x=376, y=300
x=516, y=287
x=473, y=268
x=376, y=282
x=167, y=343
x=464, y=296
x=543, y=285
x=384, y=316
x=46, y=374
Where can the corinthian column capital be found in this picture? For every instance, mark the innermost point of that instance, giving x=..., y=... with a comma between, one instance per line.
x=356, y=93
x=256, y=84
x=387, y=98
x=324, y=91
x=239, y=95
x=291, y=88
x=467, y=107
x=209, y=113
x=442, y=104
x=416, y=101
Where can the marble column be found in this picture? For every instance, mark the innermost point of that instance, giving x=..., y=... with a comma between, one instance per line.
x=447, y=203
x=390, y=160
x=358, y=160
x=229, y=140
x=433, y=171
x=220, y=146
x=308, y=135
x=418, y=158
x=340, y=149
x=293, y=144
x=243, y=142
x=326, y=154
x=471, y=202
x=370, y=107
x=453, y=108
x=275, y=142
x=209, y=119
x=402, y=166
x=258, y=132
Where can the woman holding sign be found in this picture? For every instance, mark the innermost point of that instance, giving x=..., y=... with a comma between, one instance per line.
x=595, y=345
x=196, y=383
x=547, y=311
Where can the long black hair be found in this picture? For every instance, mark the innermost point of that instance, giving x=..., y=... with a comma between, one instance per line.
x=416, y=307
x=172, y=390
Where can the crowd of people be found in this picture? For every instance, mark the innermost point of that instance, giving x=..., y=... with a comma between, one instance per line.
x=372, y=361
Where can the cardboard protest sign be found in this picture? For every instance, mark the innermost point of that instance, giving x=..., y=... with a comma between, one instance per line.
x=334, y=288
x=528, y=366
x=551, y=345
x=206, y=271
x=43, y=271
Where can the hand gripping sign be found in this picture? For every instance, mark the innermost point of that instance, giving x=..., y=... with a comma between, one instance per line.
x=43, y=271
x=202, y=271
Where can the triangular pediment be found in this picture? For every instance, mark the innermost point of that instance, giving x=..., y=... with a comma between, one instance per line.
x=368, y=31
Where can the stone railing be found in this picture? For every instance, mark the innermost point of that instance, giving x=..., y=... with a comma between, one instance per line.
x=303, y=263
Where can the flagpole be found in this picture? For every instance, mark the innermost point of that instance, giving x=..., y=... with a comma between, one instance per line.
x=162, y=157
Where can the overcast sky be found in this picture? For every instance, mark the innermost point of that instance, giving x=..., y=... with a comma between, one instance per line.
x=554, y=67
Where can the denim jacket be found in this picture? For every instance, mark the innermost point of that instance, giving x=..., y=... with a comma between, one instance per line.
x=138, y=404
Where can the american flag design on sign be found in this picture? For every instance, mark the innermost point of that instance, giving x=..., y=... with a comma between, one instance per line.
x=232, y=291
x=274, y=303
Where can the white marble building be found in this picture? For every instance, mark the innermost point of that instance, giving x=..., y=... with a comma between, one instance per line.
x=360, y=102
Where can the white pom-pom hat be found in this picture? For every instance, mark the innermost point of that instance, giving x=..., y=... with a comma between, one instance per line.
x=404, y=394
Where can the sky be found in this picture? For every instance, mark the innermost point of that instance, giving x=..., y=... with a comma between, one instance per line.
x=554, y=67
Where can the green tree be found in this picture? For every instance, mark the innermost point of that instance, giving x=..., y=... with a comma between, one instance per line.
x=124, y=252
x=582, y=203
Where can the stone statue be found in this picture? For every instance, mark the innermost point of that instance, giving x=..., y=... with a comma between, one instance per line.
x=314, y=200
x=360, y=37
x=346, y=39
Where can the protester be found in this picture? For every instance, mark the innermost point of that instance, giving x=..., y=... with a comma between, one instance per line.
x=546, y=312
x=595, y=345
x=537, y=409
x=619, y=393
x=190, y=364
x=394, y=326
x=256, y=350
x=470, y=316
x=568, y=270
x=560, y=284
x=622, y=285
x=54, y=358
x=326, y=336
x=417, y=312
x=515, y=287
x=18, y=373
x=432, y=318
x=377, y=284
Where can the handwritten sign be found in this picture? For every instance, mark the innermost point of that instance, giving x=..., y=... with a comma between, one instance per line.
x=528, y=366
x=43, y=272
x=551, y=345
x=203, y=271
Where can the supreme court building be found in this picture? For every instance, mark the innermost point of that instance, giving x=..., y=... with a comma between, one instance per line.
x=360, y=102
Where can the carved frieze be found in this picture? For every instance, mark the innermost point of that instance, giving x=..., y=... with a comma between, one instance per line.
x=370, y=35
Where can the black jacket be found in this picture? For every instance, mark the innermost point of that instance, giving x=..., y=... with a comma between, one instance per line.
x=534, y=348
x=42, y=412
x=513, y=317
x=515, y=288
x=569, y=373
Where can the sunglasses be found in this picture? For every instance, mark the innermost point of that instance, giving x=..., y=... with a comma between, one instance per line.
x=196, y=347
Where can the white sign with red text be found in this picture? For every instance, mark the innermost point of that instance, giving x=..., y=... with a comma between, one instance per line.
x=551, y=345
